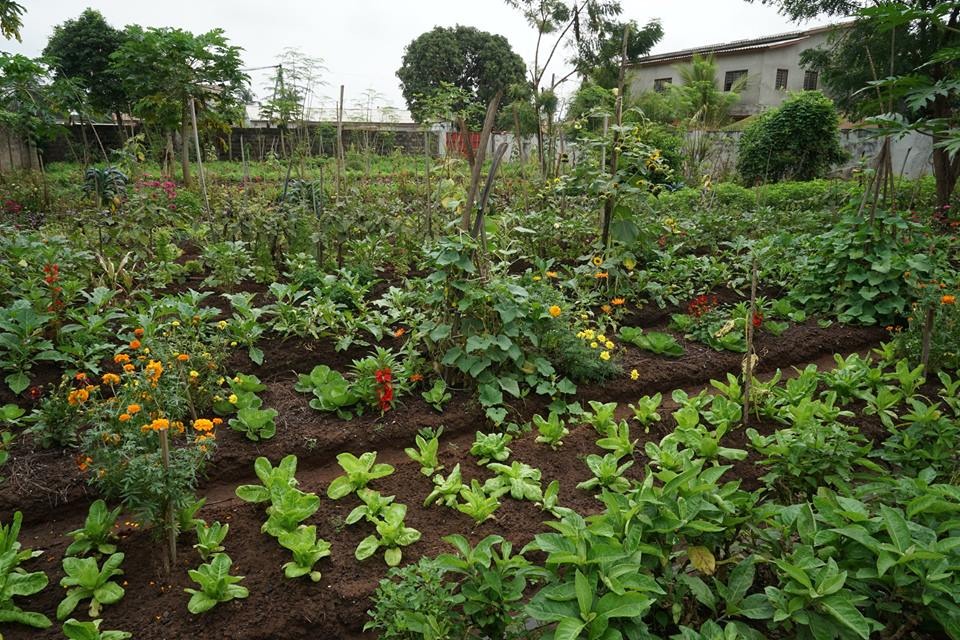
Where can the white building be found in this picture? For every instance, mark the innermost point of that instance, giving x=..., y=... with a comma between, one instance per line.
x=770, y=64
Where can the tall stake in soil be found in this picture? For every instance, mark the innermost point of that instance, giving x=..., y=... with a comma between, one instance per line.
x=196, y=141
x=169, y=558
x=478, y=164
x=614, y=154
x=748, y=362
x=340, y=155
x=925, y=340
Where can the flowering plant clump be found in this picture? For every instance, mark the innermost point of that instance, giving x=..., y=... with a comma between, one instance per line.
x=384, y=378
x=940, y=299
x=701, y=305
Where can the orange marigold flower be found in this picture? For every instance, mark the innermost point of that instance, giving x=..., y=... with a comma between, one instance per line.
x=202, y=424
x=601, y=275
x=217, y=422
x=133, y=408
x=160, y=424
x=77, y=396
x=111, y=378
x=83, y=462
x=134, y=344
x=398, y=333
x=128, y=367
x=138, y=332
x=183, y=357
x=606, y=308
x=551, y=274
x=948, y=299
x=80, y=376
x=121, y=357
x=417, y=377
x=124, y=417
x=555, y=311
x=154, y=369
x=617, y=302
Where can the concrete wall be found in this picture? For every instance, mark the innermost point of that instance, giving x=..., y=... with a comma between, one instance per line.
x=911, y=154
x=761, y=65
x=16, y=153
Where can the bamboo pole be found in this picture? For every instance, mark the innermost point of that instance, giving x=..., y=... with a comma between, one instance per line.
x=170, y=558
x=748, y=362
x=196, y=140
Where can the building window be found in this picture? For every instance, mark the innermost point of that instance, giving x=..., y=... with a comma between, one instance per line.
x=781, y=84
x=732, y=77
x=660, y=84
x=810, y=80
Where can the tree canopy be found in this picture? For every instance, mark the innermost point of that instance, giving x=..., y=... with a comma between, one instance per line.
x=80, y=49
x=11, y=20
x=477, y=62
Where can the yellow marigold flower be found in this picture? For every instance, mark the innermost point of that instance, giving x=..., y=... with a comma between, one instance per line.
x=222, y=325
x=537, y=278
x=589, y=334
x=604, y=355
x=232, y=399
x=111, y=378
x=194, y=374
x=594, y=345
x=554, y=311
x=634, y=375
x=202, y=424
x=597, y=261
x=182, y=357
x=618, y=302
x=608, y=344
x=601, y=337
x=124, y=417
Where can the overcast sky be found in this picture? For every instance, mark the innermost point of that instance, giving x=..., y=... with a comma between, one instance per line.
x=362, y=41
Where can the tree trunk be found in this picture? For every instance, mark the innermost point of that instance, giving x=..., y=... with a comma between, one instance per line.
x=946, y=172
x=185, y=144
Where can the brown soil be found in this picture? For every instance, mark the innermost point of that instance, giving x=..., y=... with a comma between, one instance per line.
x=51, y=492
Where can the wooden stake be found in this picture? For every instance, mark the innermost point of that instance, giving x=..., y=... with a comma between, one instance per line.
x=196, y=140
x=926, y=339
x=748, y=363
x=170, y=558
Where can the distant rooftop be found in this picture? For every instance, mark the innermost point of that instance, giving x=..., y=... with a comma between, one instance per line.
x=737, y=46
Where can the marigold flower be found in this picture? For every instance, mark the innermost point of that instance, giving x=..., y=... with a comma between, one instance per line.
x=222, y=325
x=634, y=375
x=111, y=378
x=399, y=332
x=232, y=399
x=202, y=424
x=134, y=344
x=593, y=345
x=160, y=424
x=948, y=299
x=416, y=377
x=551, y=274
x=597, y=261
x=217, y=422
x=601, y=337
x=80, y=376
x=608, y=344
x=601, y=275
x=121, y=358
x=124, y=417
x=554, y=311
x=182, y=357
x=154, y=369
x=604, y=355
x=133, y=408
x=83, y=462
x=128, y=367
x=536, y=278
x=77, y=396
x=617, y=302
x=138, y=332
x=194, y=374
x=606, y=308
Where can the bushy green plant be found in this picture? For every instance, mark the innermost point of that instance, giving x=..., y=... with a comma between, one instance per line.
x=86, y=579
x=97, y=533
x=415, y=602
x=799, y=140
x=391, y=535
x=216, y=585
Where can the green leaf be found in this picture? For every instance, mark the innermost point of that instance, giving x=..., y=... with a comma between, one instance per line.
x=841, y=609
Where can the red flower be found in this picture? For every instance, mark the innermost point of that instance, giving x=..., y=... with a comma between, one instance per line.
x=757, y=319
x=383, y=375
x=384, y=378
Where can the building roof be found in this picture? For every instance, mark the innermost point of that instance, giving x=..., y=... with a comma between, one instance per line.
x=738, y=46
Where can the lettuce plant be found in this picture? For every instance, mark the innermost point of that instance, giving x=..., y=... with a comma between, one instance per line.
x=76, y=630
x=307, y=551
x=210, y=538
x=288, y=509
x=437, y=395
x=372, y=508
x=476, y=503
x=520, y=480
x=446, y=490
x=607, y=473
x=428, y=446
x=15, y=582
x=216, y=584
x=331, y=391
x=97, y=532
x=391, y=535
x=552, y=429
x=85, y=579
x=491, y=446
x=256, y=424
x=358, y=472
x=273, y=479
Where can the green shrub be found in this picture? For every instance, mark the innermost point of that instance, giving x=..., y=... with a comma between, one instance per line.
x=800, y=140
